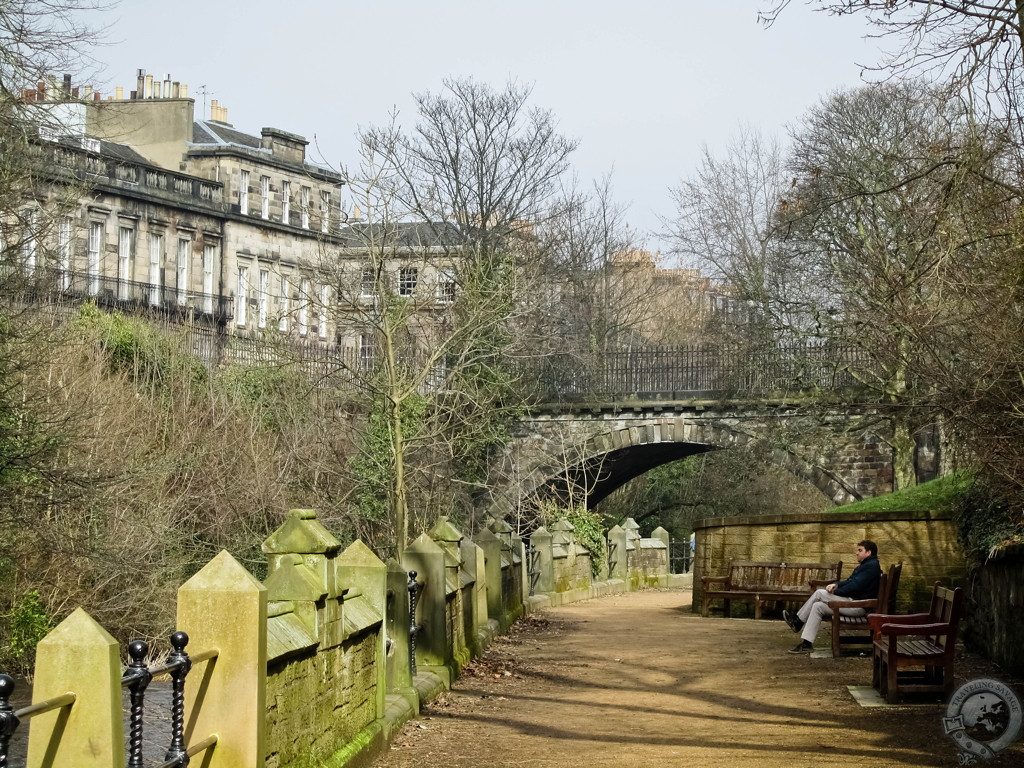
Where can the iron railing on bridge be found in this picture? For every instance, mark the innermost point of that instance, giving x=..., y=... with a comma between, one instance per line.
x=660, y=372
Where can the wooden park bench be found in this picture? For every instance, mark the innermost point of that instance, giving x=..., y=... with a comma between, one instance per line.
x=855, y=631
x=914, y=653
x=762, y=583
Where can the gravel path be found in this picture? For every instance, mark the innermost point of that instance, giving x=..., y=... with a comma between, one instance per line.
x=638, y=680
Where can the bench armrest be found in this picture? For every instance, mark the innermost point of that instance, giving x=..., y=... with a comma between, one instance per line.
x=942, y=628
x=819, y=583
x=837, y=604
x=876, y=620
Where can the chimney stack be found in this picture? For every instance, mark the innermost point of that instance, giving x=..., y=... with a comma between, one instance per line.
x=149, y=87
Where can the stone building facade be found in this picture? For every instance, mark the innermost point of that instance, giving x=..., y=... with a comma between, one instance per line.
x=168, y=212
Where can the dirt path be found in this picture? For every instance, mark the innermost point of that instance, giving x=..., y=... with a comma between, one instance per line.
x=638, y=680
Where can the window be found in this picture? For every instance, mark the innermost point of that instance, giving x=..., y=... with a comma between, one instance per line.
x=368, y=285
x=156, y=249
x=304, y=207
x=303, y=307
x=285, y=305
x=29, y=244
x=265, y=197
x=124, y=265
x=446, y=286
x=95, y=252
x=325, y=211
x=407, y=277
x=184, y=256
x=209, y=256
x=365, y=351
x=261, y=321
x=64, y=252
x=286, y=202
x=242, y=296
x=243, y=193
x=325, y=303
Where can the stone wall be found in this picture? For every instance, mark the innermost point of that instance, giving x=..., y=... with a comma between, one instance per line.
x=925, y=542
x=995, y=607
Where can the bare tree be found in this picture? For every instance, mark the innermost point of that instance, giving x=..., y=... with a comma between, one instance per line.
x=436, y=287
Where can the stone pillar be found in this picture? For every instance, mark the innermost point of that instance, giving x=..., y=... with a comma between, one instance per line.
x=223, y=608
x=433, y=646
x=399, y=675
x=632, y=544
x=364, y=577
x=617, y=562
x=663, y=536
x=543, y=564
x=449, y=538
x=492, y=547
x=78, y=656
x=474, y=564
x=301, y=567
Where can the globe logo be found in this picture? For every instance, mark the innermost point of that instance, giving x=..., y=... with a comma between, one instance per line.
x=983, y=717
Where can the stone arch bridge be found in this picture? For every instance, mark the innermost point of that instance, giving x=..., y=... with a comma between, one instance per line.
x=564, y=447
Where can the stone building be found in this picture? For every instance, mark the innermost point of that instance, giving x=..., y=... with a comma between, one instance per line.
x=187, y=215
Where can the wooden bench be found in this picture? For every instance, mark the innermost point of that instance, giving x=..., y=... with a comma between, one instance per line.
x=761, y=583
x=914, y=653
x=855, y=631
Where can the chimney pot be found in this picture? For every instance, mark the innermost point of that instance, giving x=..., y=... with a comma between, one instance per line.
x=149, y=87
x=119, y=93
x=184, y=90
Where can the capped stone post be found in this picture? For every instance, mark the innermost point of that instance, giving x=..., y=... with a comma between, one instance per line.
x=223, y=608
x=399, y=675
x=78, y=656
x=493, y=549
x=475, y=564
x=365, y=577
x=662, y=535
x=543, y=566
x=433, y=645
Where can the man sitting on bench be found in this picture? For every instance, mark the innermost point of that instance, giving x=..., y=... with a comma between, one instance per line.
x=862, y=585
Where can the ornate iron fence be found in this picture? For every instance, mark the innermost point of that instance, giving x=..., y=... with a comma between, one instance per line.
x=136, y=679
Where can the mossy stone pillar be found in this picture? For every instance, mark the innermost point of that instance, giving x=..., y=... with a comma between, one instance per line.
x=543, y=561
x=632, y=542
x=365, y=577
x=662, y=535
x=78, y=656
x=397, y=621
x=475, y=565
x=617, y=563
x=224, y=608
x=493, y=548
x=301, y=567
x=449, y=538
x=433, y=645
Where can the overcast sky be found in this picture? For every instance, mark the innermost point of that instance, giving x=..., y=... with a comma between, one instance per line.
x=643, y=85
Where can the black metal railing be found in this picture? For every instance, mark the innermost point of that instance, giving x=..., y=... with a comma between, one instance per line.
x=136, y=679
x=680, y=556
x=415, y=587
x=115, y=293
x=665, y=371
x=532, y=567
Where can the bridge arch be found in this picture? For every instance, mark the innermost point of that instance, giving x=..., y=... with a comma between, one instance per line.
x=604, y=448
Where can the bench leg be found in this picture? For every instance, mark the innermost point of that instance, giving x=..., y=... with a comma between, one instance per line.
x=704, y=607
x=876, y=667
x=757, y=609
x=892, y=689
x=837, y=649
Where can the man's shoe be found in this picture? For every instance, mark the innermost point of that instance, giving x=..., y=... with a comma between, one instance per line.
x=802, y=647
x=793, y=621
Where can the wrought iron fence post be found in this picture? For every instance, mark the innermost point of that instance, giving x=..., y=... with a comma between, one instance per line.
x=137, y=677
x=414, y=593
x=181, y=669
x=8, y=720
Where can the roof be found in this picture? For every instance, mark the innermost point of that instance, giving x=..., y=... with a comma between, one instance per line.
x=122, y=152
x=401, y=234
x=210, y=135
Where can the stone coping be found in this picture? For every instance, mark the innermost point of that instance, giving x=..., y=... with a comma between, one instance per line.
x=821, y=517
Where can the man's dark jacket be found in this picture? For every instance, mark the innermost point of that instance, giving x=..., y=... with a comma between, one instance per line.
x=863, y=582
